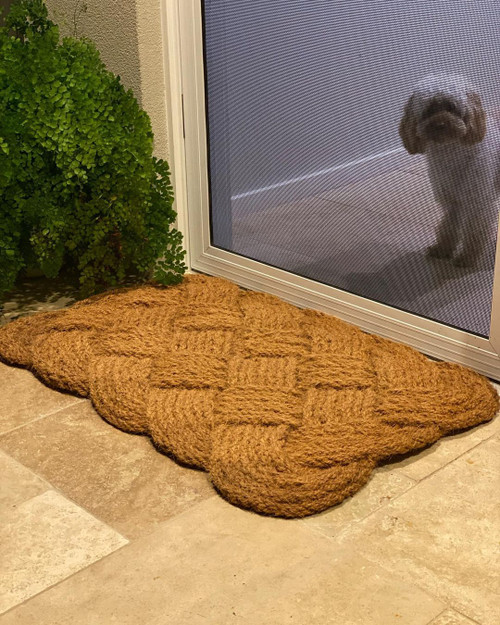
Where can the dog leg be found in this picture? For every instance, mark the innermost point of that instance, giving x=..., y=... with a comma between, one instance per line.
x=447, y=235
x=477, y=231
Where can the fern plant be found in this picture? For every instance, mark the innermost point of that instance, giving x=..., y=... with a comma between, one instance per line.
x=79, y=185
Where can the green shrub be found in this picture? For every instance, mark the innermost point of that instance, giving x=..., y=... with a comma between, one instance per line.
x=79, y=186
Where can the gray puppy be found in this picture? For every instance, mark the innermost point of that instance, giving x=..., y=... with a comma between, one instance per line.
x=445, y=120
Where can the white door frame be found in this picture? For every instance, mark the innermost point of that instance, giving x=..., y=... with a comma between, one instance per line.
x=185, y=80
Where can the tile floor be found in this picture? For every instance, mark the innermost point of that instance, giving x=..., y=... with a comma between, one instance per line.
x=99, y=528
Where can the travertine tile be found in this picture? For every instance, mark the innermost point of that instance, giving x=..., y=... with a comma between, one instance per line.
x=445, y=450
x=416, y=165
x=249, y=209
x=396, y=194
x=450, y=617
x=46, y=539
x=268, y=253
x=285, y=227
x=56, y=302
x=315, y=233
x=370, y=223
x=383, y=487
x=444, y=535
x=23, y=398
x=37, y=294
x=118, y=477
x=217, y=564
x=18, y=483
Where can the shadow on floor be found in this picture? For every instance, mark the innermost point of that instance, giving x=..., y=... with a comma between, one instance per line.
x=412, y=281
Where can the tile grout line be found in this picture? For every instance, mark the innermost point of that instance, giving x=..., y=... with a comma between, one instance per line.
x=391, y=572
x=122, y=547
x=362, y=518
x=318, y=531
x=48, y=414
x=61, y=581
x=58, y=491
x=130, y=540
x=29, y=470
x=417, y=482
x=465, y=616
x=52, y=487
x=411, y=487
x=415, y=583
x=474, y=622
x=453, y=459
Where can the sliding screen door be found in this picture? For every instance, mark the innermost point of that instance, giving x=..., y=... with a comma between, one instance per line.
x=307, y=169
x=292, y=177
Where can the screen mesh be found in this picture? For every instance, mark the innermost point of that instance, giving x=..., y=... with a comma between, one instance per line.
x=308, y=171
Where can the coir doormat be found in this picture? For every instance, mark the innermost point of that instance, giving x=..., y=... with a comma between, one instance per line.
x=288, y=410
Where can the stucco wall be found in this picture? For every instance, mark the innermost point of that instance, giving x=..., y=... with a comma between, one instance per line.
x=4, y=6
x=128, y=36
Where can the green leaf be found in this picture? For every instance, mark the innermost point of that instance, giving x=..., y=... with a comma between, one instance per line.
x=80, y=186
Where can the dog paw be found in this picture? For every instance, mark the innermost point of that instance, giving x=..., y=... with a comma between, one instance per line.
x=438, y=251
x=466, y=260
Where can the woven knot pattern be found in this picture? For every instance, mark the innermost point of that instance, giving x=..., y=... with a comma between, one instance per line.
x=288, y=410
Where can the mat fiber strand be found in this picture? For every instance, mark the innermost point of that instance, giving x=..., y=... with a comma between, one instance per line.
x=288, y=410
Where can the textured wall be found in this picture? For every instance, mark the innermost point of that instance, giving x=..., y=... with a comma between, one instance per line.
x=128, y=36
x=150, y=44
x=4, y=6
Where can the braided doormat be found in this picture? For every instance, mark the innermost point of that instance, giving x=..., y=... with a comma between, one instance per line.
x=288, y=410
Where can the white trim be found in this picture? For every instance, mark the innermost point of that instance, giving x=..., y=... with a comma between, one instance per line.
x=430, y=337
x=495, y=303
x=172, y=68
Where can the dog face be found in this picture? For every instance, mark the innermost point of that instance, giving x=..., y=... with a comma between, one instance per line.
x=442, y=120
x=442, y=109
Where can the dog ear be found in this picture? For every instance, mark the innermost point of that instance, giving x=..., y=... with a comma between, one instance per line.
x=475, y=119
x=408, y=130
